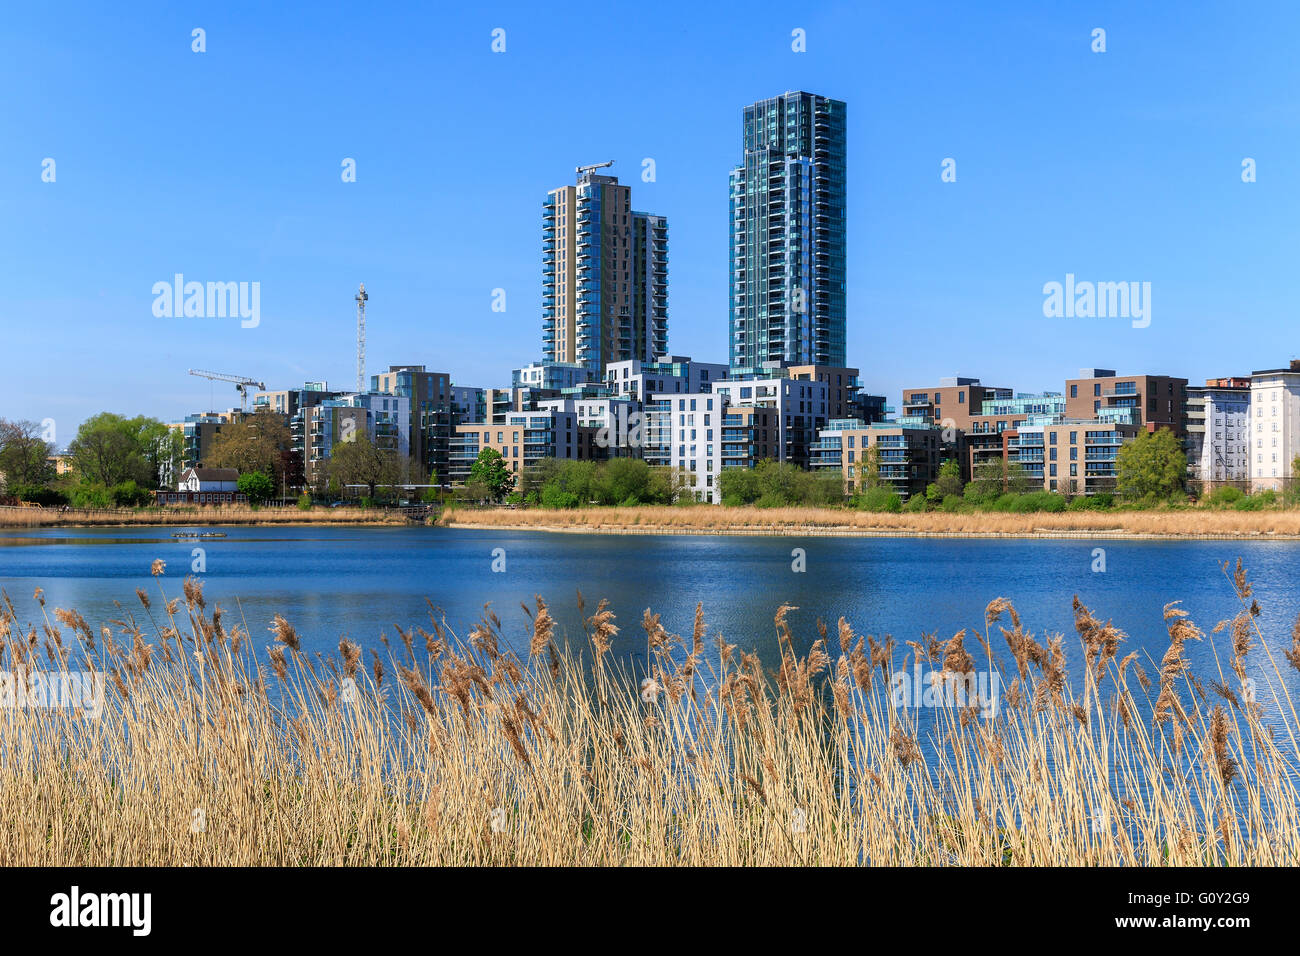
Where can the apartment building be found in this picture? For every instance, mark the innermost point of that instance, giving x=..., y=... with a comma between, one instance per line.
x=1073, y=456
x=197, y=435
x=1218, y=433
x=429, y=400
x=905, y=457
x=1148, y=401
x=1274, y=426
x=522, y=440
x=990, y=433
x=750, y=434
x=616, y=424
x=551, y=375
x=383, y=419
x=695, y=442
x=605, y=275
x=666, y=375
x=951, y=403
x=295, y=404
x=468, y=403
x=787, y=199
x=802, y=407
x=841, y=386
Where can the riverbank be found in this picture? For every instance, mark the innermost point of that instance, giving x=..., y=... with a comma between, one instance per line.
x=189, y=517
x=717, y=519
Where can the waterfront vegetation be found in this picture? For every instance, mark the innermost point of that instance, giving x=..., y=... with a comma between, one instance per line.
x=220, y=743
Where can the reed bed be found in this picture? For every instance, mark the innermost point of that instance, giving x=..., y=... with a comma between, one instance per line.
x=11, y=517
x=441, y=751
x=703, y=519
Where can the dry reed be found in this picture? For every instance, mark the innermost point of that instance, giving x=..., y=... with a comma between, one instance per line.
x=202, y=755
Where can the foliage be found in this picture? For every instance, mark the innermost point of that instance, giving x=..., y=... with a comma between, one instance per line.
x=1152, y=465
x=24, y=456
x=362, y=462
x=304, y=502
x=879, y=498
x=38, y=494
x=947, y=484
x=1225, y=495
x=256, y=443
x=489, y=470
x=257, y=486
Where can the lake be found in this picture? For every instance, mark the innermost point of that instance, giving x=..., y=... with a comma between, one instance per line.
x=359, y=582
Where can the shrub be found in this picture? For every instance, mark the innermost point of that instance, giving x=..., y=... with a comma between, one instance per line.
x=1258, y=501
x=553, y=496
x=952, y=504
x=304, y=502
x=916, y=503
x=1226, y=495
x=1101, y=501
x=880, y=498
x=39, y=494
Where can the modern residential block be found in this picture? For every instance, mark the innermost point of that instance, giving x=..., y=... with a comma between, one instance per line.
x=1148, y=401
x=604, y=276
x=787, y=288
x=1274, y=426
x=1218, y=433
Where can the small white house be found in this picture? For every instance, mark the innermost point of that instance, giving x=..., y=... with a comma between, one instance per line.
x=204, y=486
x=209, y=479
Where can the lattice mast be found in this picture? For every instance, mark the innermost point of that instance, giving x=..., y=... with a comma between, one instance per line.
x=361, y=338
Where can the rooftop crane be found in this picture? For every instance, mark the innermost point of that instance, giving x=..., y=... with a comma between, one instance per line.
x=240, y=382
x=586, y=169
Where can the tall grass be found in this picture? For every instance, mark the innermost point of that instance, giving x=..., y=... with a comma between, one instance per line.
x=11, y=517
x=705, y=518
x=210, y=751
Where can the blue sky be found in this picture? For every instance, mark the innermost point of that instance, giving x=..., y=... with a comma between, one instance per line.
x=225, y=166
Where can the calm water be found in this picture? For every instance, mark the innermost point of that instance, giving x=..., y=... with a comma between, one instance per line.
x=360, y=581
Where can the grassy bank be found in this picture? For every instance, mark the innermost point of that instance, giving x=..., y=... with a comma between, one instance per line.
x=213, y=749
x=706, y=519
x=206, y=515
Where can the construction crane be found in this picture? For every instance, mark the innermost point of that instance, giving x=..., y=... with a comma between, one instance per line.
x=361, y=338
x=240, y=382
x=586, y=169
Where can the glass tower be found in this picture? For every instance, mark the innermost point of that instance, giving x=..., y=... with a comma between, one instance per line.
x=787, y=235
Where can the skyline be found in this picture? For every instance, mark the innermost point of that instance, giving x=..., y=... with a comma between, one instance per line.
x=943, y=278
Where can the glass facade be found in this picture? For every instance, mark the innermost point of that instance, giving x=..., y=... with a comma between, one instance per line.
x=787, y=299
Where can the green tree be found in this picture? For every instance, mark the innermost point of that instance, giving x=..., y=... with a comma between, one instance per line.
x=24, y=455
x=738, y=486
x=623, y=481
x=947, y=484
x=871, y=468
x=129, y=495
x=256, y=486
x=489, y=470
x=107, y=451
x=1151, y=466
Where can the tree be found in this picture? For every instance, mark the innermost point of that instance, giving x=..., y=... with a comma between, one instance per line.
x=160, y=446
x=948, y=482
x=1151, y=466
x=362, y=462
x=258, y=487
x=871, y=467
x=258, y=442
x=489, y=470
x=24, y=455
x=107, y=451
